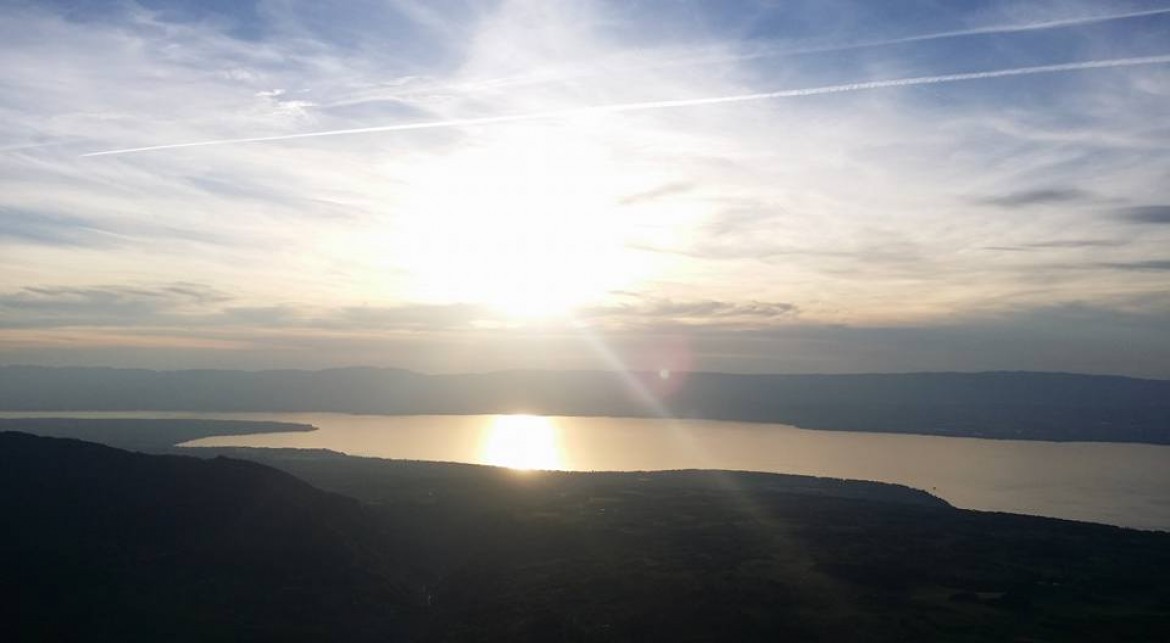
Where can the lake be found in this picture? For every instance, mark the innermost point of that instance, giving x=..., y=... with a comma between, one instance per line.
x=1121, y=484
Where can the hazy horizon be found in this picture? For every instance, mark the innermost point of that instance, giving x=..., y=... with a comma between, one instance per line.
x=625, y=369
x=459, y=186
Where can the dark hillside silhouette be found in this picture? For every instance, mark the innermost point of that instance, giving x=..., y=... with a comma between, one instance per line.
x=102, y=544
x=105, y=545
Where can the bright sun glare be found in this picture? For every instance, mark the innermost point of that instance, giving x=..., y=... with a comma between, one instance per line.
x=523, y=442
x=524, y=227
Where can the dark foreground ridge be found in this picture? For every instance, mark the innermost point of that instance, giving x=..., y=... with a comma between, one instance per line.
x=102, y=544
x=1016, y=405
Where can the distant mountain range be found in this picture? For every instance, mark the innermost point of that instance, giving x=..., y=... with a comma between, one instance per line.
x=1016, y=405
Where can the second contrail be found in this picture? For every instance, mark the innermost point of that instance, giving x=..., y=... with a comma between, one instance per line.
x=668, y=104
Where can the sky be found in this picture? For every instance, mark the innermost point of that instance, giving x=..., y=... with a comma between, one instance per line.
x=811, y=186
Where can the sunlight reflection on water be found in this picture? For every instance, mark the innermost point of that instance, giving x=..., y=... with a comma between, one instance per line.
x=523, y=442
x=1122, y=484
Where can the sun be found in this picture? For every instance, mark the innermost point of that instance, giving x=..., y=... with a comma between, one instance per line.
x=524, y=442
x=527, y=223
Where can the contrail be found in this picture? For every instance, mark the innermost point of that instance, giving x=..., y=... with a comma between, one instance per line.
x=959, y=33
x=1033, y=26
x=669, y=104
x=766, y=52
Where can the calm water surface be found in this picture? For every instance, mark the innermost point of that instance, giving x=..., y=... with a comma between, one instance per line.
x=1122, y=484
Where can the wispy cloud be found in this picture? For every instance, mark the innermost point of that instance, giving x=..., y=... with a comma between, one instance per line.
x=766, y=51
x=1064, y=244
x=116, y=305
x=1151, y=214
x=651, y=312
x=51, y=229
x=1153, y=264
x=618, y=108
x=662, y=191
x=772, y=205
x=702, y=56
x=1042, y=25
x=196, y=306
x=1041, y=196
